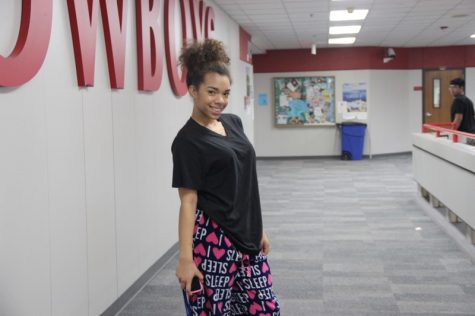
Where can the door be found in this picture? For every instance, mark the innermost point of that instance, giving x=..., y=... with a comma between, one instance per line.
x=437, y=98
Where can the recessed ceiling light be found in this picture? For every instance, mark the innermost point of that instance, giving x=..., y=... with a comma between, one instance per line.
x=472, y=36
x=347, y=29
x=342, y=40
x=345, y=15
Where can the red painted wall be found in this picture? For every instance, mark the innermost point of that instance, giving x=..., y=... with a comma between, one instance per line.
x=364, y=58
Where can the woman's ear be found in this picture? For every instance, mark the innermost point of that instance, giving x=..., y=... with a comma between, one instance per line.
x=193, y=91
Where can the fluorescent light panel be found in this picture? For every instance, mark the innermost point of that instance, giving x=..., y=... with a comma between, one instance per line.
x=344, y=15
x=472, y=36
x=342, y=40
x=347, y=29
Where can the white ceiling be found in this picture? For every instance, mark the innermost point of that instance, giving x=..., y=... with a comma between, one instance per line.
x=291, y=24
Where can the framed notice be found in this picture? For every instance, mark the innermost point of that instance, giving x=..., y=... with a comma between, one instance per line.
x=304, y=101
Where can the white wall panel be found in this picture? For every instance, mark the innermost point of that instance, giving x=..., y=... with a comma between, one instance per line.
x=66, y=165
x=470, y=83
x=125, y=164
x=67, y=205
x=24, y=212
x=415, y=101
x=100, y=200
x=388, y=111
x=147, y=165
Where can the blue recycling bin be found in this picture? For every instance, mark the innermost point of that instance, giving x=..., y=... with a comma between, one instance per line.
x=352, y=140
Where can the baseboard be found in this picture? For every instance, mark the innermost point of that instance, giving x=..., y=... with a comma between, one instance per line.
x=294, y=157
x=141, y=282
x=403, y=153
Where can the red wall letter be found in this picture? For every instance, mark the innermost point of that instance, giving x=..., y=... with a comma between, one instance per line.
x=178, y=84
x=32, y=44
x=149, y=48
x=209, y=22
x=114, y=19
x=83, y=21
x=197, y=12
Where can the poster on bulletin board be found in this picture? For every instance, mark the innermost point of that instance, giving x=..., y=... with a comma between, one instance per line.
x=304, y=101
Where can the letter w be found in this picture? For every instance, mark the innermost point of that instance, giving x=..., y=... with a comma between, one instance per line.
x=83, y=20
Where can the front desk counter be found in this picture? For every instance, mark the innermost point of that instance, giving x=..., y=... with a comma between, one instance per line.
x=445, y=173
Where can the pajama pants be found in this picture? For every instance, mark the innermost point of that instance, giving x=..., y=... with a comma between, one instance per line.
x=234, y=283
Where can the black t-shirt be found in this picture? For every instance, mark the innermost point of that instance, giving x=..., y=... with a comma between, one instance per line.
x=222, y=169
x=463, y=105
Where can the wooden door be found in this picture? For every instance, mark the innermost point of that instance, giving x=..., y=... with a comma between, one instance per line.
x=437, y=98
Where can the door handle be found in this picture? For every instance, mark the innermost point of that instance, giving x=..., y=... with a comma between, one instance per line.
x=428, y=114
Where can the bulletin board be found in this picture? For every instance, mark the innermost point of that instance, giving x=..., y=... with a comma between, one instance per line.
x=304, y=101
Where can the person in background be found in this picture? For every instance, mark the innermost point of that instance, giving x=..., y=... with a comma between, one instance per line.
x=221, y=236
x=461, y=111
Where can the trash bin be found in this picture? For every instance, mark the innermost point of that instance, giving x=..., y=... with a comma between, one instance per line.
x=352, y=140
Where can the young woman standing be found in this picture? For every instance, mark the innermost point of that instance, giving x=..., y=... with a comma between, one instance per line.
x=221, y=236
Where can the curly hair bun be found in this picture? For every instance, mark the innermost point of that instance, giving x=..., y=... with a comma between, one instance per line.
x=200, y=58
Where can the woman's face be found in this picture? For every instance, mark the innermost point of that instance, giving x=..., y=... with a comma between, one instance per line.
x=211, y=97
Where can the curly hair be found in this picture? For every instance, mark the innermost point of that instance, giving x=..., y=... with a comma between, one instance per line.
x=204, y=57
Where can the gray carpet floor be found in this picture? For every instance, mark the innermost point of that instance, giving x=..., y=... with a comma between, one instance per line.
x=347, y=238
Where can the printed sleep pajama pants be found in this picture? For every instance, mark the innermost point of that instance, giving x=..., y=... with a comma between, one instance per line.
x=234, y=283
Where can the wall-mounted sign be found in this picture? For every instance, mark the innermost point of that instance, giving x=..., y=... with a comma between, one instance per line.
x=197, y=22
x=263, y=99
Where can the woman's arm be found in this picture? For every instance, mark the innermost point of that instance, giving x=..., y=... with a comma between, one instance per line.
x=186, y=268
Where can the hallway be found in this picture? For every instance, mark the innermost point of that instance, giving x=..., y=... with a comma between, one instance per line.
x=347, y=238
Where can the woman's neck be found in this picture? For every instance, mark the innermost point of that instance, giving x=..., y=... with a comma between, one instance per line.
x=203, y=120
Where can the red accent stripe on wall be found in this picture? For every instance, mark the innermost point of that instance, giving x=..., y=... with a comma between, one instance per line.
x=352, y=58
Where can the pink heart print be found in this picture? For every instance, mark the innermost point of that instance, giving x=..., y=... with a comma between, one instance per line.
x=220, y=306
x=201, y=220
x=197, y=260
x=210, y=292
x=232, y=268
x=251, y=294
x=255, y=308
x=203, y=313
x=227, y=241
x=213, y=223
x=218, y=253
x=212, y=238
x=200, y=249
x=269, y=280
x=271, y=305
x=265, y=267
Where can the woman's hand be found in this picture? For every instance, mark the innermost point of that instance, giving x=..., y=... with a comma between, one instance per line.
x=185, y=271
x=265, y=244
